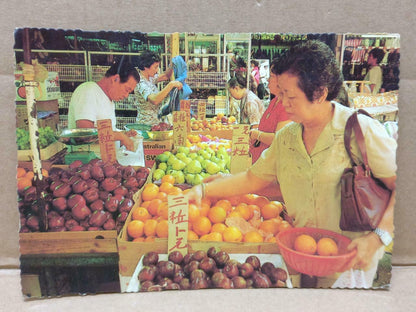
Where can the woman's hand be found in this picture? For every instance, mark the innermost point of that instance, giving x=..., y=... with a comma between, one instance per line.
x=195, y=194
x=175, y=84
x=124, y=140
x=366, y=246
x=254, y=135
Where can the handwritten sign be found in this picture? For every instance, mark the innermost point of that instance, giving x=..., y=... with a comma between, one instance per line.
x=240, y=156
x=202, y=110
x=186, y=107
x=106, y=140
x=178, y=224
x=179, y=128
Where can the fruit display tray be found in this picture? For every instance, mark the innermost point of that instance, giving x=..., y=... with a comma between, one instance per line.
x=277, y=260
x=45, y=153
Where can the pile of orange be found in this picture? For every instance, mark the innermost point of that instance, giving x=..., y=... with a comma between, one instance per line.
x=208, y=221
x=324, y=247
x=25, y=177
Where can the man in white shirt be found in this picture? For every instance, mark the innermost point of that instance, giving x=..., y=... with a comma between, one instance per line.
x=93, y=101
x=375, y=74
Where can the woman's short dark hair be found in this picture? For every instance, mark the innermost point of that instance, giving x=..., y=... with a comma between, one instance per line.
x=239, y=79
x=124, y=69
x=378, y=54
x=254, y=62
x=147, y=59
x=314, y=63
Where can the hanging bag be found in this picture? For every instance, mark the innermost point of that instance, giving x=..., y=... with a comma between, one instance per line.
x=364, y=198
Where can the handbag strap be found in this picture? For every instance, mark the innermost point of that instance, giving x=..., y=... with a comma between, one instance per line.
x=352, y=124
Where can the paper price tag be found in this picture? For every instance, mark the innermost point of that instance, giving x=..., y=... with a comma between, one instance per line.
x=202, y=110
x=179, y=128
x=240, y=156
x=186, y=107
x=106, y=140
x=178, y=224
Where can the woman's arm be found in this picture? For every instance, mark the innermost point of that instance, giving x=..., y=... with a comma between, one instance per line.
x=166, y=75
x=157, y=98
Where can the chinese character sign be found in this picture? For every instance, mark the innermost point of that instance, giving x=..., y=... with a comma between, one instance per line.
x=240, y=156
x=179, y=128
x=178, y=224
x=186, y=107
x=202, y=110
x=106, y=140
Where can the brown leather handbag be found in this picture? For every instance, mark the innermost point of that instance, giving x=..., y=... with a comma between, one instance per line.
x=364, y=198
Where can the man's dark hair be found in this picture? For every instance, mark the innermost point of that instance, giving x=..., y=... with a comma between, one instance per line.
x=378, y=54
x=147, y=58
x=314, y=63
x=240, y=79
x=124, y=69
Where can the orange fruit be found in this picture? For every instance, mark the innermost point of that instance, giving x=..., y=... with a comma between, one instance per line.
x=29, y=175
x=261, y=201
x=269, y=226
x=253, y=237
x=140, y=213
x=270, y=210
x=150, y=227
x=234, y=213
x=165, y=187
x=135, y=228
x=45, y=173
x=284, y=225
x=154, y=205
x=145, y=204
x=248, y=198
x=245, y=210
x=218, y=227
x=193, y=212
x=217, y=214
x=175, y=191
x=201, y=226
x=150, y=192
x=271, y=239
x=149, y=239
x=21, y=172
x=234, y=200
x=163, y=210
x=162, y=196
x=168, y=178
x=232, y=234
x=213, y=236
x=306, y=244
x=162, y=229
x=204, y=209
x=192, y=235
x=225, y=204
x=24, y=182
x=327, y=247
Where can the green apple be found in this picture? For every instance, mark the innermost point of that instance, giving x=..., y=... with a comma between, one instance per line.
x=171, y=159
x=162, y=166
x=212, y=168
x=158, y=174
x=183, y=149
x=178, y=165
x=197, y=179
x=179, y=177
x=194, y=167
x=189, y=178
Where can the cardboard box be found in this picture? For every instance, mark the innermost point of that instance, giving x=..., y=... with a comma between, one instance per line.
x=51, y=120
x=49, y=89
x=45, y=153
x=153, y=148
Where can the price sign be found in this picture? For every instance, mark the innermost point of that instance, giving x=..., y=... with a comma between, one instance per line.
x=240, y=156
x=178, y=224
x=186, y=107
x=106, y=140
x=179, y=128
x=202, y=110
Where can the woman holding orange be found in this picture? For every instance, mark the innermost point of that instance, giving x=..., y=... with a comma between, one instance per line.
x=308, y=157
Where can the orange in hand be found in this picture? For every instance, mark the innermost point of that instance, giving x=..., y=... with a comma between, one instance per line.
x=306, y=244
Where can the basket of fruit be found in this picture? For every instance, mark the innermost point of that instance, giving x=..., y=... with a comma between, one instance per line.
x=314, y=251
x=160, y=132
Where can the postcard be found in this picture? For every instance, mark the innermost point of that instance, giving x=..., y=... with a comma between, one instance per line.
x=182, y=161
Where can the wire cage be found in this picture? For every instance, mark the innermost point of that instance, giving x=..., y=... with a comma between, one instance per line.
x=198, y=79
x=122, y=121
x=68, y=72
x=127, y=103
x=97, y=72
x=63, y=101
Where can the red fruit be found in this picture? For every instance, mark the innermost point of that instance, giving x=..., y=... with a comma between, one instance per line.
x=111, y=204
x=131, y=182
x=90, y=195
x=92, y=183
x=84, y=174
x=75, y=199
x=69, y=224
x=79, y=186
x=103, y=195
x=62, y=190
x=109, y=225
x=110, y=171
x=127, y=171
x=122, y=217
x=122, y=190
x=56, y=222
x=77, y=228
x=98, y=218
x=33, y=223
x=75, y=164
x=142, y=173
x=54, y=185
x=59, y=203
x=73, y=179
x=97, y=173
x=30, y=194
x=246, y=270
x=125, y=205
x=80, y=212
x=97, y=205
x=109, y=184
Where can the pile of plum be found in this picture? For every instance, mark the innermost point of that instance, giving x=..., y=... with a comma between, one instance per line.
x=210, y=269
x=95, y=196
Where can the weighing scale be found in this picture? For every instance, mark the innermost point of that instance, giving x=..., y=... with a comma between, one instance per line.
x=79, y=144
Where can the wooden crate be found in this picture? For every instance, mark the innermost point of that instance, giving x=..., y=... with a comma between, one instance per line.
x=45, y=153
x=68, y=242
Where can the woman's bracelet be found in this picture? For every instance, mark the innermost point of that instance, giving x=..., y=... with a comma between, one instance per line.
x=203, y=186
x=258, y=136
